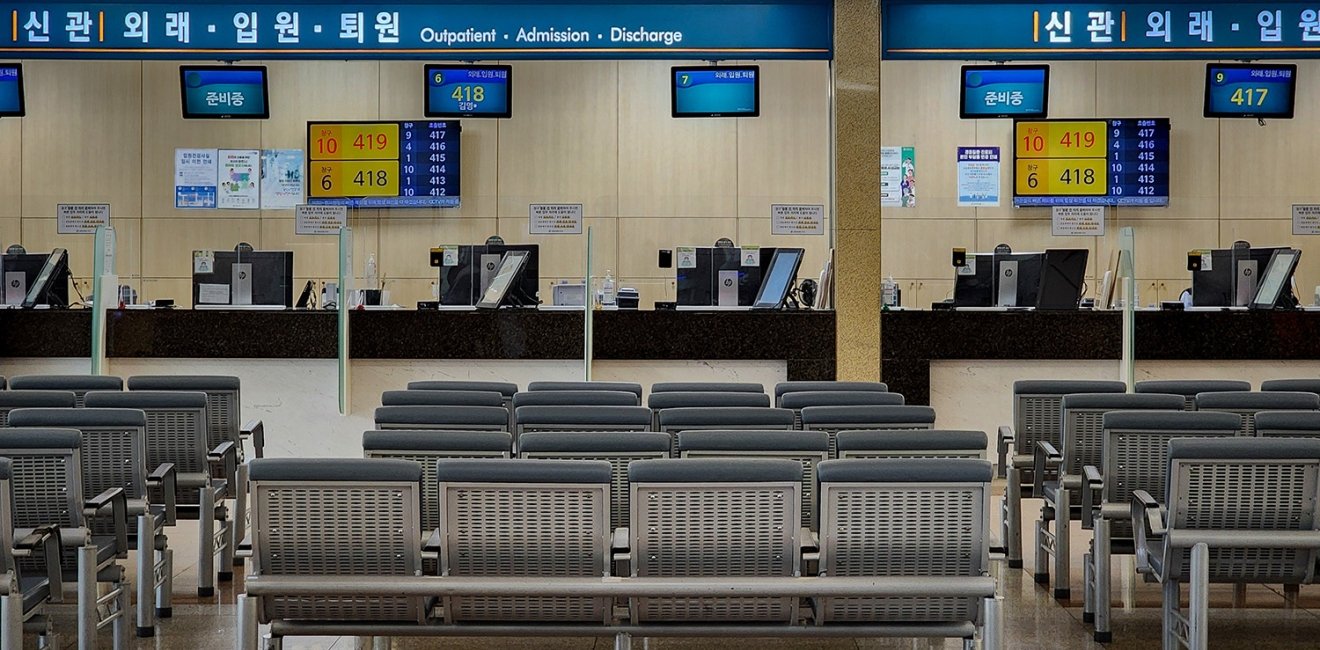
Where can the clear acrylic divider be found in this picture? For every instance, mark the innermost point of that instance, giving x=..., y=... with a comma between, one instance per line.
x=343, y=302
x=1127, y=271
x=588, y=311
x=105, y=293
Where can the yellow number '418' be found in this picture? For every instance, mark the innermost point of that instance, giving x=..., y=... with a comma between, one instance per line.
x=469, y=93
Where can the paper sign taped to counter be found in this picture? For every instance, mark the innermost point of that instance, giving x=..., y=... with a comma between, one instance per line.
x=81, y=218
x=203, y=262
x=213, y=294
x=750, y=255
x=687, y=257
x=449, y=255
x=793, y=219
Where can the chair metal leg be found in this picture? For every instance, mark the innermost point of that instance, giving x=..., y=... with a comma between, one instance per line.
x=1170, y=615
x=1088, y=599
x=1062, y=560
x=246, y=634
x=1198, y=599
x=225, y=567
x=87, y=597
x=123, y=624
x=1240, y=595
x=1290, y=594
x=239, y=526
x=165, y=590
x=992, y=622
x=146, y=575
x=206, y=544
x=1013, y=518
x=1042, y=571
x=623, y=641
x=1100, y=554
x=11, y=616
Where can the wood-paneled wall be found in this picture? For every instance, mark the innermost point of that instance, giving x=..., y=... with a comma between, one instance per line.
x=1230, y=179
x=592, y=132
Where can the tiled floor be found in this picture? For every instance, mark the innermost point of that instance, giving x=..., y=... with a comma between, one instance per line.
x=1032, y=618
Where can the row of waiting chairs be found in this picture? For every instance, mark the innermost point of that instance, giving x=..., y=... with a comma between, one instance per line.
x=527, y=547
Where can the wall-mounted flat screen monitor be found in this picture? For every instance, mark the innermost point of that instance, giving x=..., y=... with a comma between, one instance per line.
x=1250, y=90
x=11, y=90
x=224, y=92
x=469, y=91
x=997, y=91
x=716, y=91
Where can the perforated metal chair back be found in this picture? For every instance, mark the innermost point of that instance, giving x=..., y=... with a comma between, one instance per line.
x=18, y=399
x=1288, y=424
x=1038, y=407
x=1189, y=388
x=575, y=398
x=625, y=386
x=112, y=447
x=806, y=448
x=1136, y=452
x=715, y=518
x=456, y=418
x=1245, y=485
x=1246, y=404
x=582, y=418
x=910, y=517
x=223, y=401
x=441, y=398
x=426, y=447
x=79, y=385
x=701, y=386
x=785, y=387
x=337, y=517
x=910, y=443
x=176, y=430
x=514, y=518
x=1083, y=423
x=618, y=448
x=47, y=483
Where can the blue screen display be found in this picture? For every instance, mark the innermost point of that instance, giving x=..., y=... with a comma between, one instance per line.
x=1250, y=90
x=468, y=91
x=224, y=92
x=11, y=90
x=1005, y=91
x=716, y=92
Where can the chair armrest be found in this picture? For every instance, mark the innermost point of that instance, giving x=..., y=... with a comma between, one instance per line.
x=256, y=431
x=223, y=462
x=163, y=488
x=1093, y=485
x=433, y=542
x=1005, y=441
x=808, y=547
x=117, y=503
x=45, y=539
x=1148, y=524
x=244, y=549
x=1047, y=461
x=619, y=539
x=620, y=553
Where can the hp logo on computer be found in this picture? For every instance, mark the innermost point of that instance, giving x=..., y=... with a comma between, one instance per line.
x=728, y=282
x=242, y=275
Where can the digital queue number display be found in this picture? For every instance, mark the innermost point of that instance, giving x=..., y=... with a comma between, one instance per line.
x=1091, y=162
x=383, y=164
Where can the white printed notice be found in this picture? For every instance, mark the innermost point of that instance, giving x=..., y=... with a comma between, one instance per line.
x=81, y=218
x=791, y=219
x=240, y=176
x=195, y=174
x=978, y=177
x=555, y=219
x=319, y=219
x=1078, y=221
x=281, y=179
x=1306, y=219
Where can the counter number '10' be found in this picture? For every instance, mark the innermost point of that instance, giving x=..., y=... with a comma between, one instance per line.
x=329, y=144
x=1036, y=143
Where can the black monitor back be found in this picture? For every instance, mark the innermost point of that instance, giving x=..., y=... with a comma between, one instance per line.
x=29, y=264
x=272, y=276
x=1218, y=286
x=977, y=288
x=1063, y=274
x=1029, y=267
x=461, y=285
x=699, y=286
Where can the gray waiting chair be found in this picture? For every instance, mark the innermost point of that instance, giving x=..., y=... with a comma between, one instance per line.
x=521, y=519
x=1190, y=388
x=807, y=448
x=1247, y=404
x=708, y=517
x=575, y=398
x=1291, y=385
x=581, y=418
x=176, y=434
x=441, y=398
x=1135, y=458
x=676, y=420
x=504, y=388
x=4, y=383
x=784, y=387
x=21, y=399
x=922, y=519
x=1037, y=406
x=23, y=598
x=833, y=419
x=1237, y=511
x=1288, y=424
x=456, y=418
x=910, y=443
x=1059, y=472
x=705, y=399
x=624, y=386
x=702, y=386
x=426, y=447
x=79, y=385
x=47, y=479
x=803, y=399
x=333, y=518
x=618, y=448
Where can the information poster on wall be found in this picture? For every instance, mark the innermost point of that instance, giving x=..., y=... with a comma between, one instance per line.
x=240, y=180
x=978, y=177
x=1078, y=221
x=195, y=174
x=793, y=219
x=555, y=219
x=898, y=177
x=281, y=179
x=1306, y=219
x=319, y=219
x=81, y=218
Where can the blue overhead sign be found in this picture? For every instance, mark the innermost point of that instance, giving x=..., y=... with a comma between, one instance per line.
x=1175, y=29
x=261, y=29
